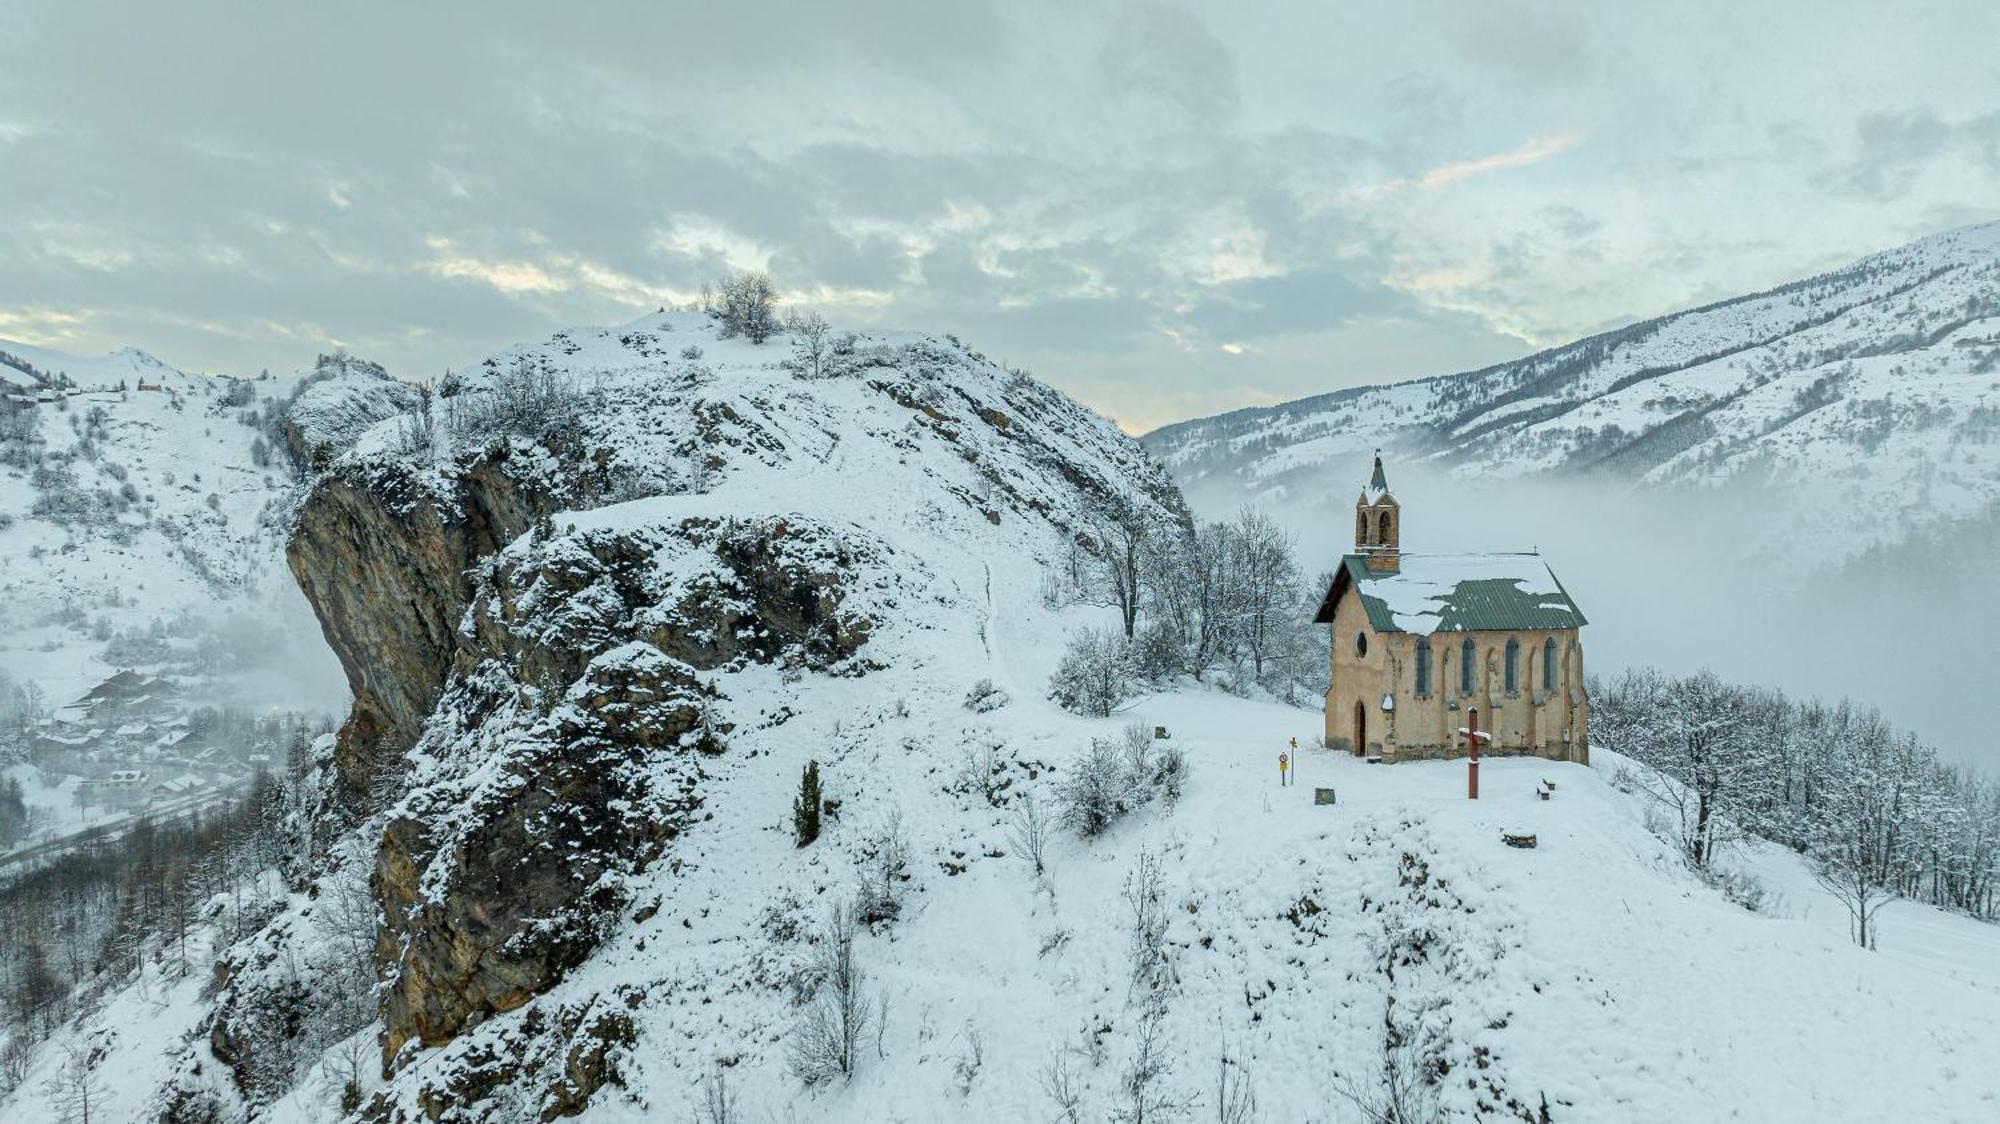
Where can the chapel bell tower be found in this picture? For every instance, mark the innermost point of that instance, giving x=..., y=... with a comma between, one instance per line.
x=1378, y=524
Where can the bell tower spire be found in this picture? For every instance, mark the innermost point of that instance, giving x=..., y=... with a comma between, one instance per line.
x=1378, y=523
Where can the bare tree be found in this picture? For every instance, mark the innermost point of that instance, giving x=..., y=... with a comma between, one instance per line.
x=1060, y=1083
x=75, y=1091
x=747, y=305
x=718, y=1103
x=1121, y=532
x=1704, y=764
x=1094, y=675
x=1235, y=1102
x=1030, y=833
x=1145, y=895
x=1402, y=1092
x=826, y=1043
x=1267, y=581
x=1145, y=1083
x=810, y=344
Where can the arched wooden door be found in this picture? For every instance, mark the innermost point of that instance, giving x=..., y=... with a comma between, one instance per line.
x=1360, y=730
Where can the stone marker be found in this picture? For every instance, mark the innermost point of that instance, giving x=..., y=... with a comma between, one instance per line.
x=1512, y=840
x=1323, y=796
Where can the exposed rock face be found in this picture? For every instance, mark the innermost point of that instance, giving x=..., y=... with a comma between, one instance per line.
x=555, y=689
x=386, y=570
x=495, y=884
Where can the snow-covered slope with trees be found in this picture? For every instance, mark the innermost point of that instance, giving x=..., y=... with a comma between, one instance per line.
x=142, y=530
x=1870, y=394
x=605, y=599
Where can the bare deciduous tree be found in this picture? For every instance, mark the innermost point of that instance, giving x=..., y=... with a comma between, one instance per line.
x=810, y=344
x=826, y=1043
x=1029, y=833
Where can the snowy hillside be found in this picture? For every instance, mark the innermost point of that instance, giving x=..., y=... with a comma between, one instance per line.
x=141, y=532
x=131, y=493
x=1870, y=389
x=605, y=599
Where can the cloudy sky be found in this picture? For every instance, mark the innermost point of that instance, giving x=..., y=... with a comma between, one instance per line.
x=1167, y=210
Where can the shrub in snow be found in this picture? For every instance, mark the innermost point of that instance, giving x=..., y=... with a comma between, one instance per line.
x=1029, y=833
x=966, y=1068
x=1170, y=772
x=718, y=1103
x=980, y=771
x=1740, y=887
x=1113, y=778
x=1093, y=795
x=1158, y=653
x=880, y=896
x=1094, y=675
x=525, y=399
x=826, y=1042
x=1145, y=894
x=985, y=697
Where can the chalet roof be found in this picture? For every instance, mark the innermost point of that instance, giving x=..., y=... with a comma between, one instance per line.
x=1456, y=592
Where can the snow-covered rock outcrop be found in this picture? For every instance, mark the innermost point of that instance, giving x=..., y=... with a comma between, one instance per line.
x=551, y=606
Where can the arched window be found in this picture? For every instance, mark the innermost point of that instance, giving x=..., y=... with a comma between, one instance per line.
x=1465, y=658
x=1549, y=664
x=1382, y=529
x=1513, y=664
x=1423, y=665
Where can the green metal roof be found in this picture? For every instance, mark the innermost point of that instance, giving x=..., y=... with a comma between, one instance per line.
x=1457, y=592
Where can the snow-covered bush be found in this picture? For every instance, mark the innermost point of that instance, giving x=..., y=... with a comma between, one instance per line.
x=1159, y=652
x=526, y=400
x=1113, y=778
x=879, y=898
x=1093, y=795
x=984, y=697
x=747, y=306
x=981, y=771
x=1094, y=676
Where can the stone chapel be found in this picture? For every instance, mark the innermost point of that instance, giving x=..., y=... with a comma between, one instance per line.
x=1419, y=640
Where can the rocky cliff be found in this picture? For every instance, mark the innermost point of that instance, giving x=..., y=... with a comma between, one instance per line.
x=552, y=609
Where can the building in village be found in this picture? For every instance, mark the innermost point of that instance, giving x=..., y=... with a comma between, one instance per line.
x=1421, y=640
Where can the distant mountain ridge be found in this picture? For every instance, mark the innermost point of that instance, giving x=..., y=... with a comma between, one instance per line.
x=1881, y=378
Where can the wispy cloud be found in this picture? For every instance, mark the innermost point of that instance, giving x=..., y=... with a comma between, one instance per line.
x=1533, y=152
x=510, y=277
x=42, y=327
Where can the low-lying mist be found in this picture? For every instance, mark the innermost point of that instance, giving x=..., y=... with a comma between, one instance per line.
x=1685, y=579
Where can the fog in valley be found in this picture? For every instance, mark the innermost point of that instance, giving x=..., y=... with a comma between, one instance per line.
x=1685, y=579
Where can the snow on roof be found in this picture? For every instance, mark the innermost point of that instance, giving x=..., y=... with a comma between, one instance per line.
x=1456, y=592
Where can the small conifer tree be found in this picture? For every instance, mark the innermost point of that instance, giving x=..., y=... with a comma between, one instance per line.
x=805, y=810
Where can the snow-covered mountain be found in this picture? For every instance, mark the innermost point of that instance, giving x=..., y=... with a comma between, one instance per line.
x=142, y=531
x=605, y=598
x=1870, y=396
x=132, y=491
